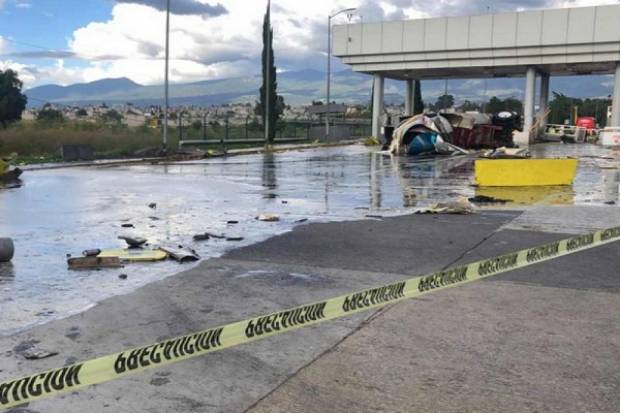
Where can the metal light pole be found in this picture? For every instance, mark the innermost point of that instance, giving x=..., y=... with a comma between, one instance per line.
x=165, y=142
x=329, y=64
x=268, y=79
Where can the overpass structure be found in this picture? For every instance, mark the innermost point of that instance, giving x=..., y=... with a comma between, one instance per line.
x=537, y=43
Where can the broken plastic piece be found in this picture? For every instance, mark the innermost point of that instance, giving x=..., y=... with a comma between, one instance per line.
x=268, y=217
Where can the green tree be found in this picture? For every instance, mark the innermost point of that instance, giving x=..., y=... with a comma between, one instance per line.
x=561, y=107
x=418, y=103
x=270, y=85
x=81, y=113
x=444, y=102
x=12, y=100
x=112, y=116
x=48, y=114
x=468, y=106
x=197, y=125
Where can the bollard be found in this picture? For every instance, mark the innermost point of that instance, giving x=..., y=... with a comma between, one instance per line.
x=6, y=249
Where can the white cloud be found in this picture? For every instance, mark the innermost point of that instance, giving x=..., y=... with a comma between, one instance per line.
x=3, y=44
x=131, y=42
x=23, y=5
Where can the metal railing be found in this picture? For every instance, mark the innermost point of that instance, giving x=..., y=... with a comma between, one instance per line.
x=226, y=133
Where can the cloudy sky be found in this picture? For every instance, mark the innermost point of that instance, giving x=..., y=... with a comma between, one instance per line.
x=71, y=41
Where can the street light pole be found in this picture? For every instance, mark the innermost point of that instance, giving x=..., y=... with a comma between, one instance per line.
x=329, y=65
x=165, y=142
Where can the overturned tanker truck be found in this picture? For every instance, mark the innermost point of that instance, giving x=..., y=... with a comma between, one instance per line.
x=436, y=132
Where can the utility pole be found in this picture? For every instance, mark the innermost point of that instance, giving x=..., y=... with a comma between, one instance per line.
x=165, y=142
x=268, y=76
x=329, y=65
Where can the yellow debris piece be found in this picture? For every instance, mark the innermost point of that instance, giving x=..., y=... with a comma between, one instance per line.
x=135, y=254
x=525, y=172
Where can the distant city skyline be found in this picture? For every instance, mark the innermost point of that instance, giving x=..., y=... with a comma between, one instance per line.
x=74, y=41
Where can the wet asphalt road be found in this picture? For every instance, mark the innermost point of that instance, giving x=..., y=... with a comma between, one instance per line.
x=65, y=211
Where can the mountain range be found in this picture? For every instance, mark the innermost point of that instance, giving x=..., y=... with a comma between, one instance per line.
x=298, y=87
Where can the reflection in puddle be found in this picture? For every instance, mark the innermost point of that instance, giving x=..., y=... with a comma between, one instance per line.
x=530, y=195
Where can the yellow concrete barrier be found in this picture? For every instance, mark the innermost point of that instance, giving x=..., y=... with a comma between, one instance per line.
x=525, y=172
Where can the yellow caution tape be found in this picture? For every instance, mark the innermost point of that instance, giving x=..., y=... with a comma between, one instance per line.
x=113, y=366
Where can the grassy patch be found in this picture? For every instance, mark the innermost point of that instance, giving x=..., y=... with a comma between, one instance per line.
x=33, y=141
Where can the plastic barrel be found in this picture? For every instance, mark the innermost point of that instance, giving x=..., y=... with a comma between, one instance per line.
x=7, y=249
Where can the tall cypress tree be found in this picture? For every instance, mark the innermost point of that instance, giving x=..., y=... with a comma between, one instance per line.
x=269, y=82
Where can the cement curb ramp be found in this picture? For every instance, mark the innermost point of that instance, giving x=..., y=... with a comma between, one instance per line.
x=70, y=378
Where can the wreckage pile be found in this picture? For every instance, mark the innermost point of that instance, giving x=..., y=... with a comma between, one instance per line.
x=448, y=133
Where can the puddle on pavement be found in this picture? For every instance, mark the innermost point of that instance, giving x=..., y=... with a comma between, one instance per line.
x=62, y=211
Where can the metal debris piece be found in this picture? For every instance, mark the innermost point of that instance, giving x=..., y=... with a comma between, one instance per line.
x=234, y=238
x=268, y=217
x=133, y=242
x=127, y=226
x=201, y=237
x=152, y=205
x=38, y=354
x=181, y=255
x=507, y=153
x=91, y=253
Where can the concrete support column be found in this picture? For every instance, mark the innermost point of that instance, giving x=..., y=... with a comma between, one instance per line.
x=377, y=106
x=615, y=103
x=528, y=100
x=409, y=98
x=543, y=103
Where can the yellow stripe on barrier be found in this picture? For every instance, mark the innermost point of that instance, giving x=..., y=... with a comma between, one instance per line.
x=113, y=366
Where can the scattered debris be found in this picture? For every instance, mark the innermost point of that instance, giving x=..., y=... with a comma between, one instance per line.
x=133, y=242
x=127, y=226
x=212, y=235
x=91, y=253
x=89, y=263
x=232, y=222
x=38, y=354
x=153, y=205
x=123, y=276
x=507, y=153
x=8, y=172
x=483, y=199
x=135, y=254
x=268, y=217
x=371, y=141
x=299, y=221
x=610, y=203
x=201, y=237
x=461, y=206
x=7, y=249
x=181, y=255
x=374, y=216
x=285, y=202
x=234, y=238
x=154, y=218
